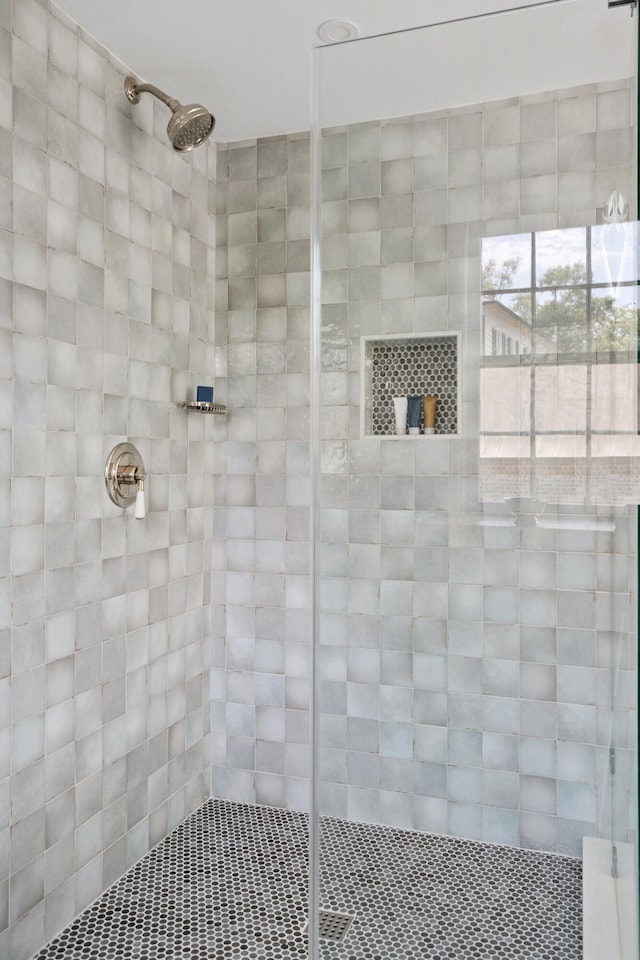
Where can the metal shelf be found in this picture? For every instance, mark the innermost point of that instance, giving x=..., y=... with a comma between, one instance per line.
x=201, y=407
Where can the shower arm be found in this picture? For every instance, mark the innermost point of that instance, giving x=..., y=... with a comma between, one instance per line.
x=133, y=89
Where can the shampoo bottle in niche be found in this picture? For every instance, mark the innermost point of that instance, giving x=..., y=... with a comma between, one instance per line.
x=429, y=413
x=400, y=408
x=413, y=409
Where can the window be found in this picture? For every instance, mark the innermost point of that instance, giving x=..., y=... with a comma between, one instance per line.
x=558, y=394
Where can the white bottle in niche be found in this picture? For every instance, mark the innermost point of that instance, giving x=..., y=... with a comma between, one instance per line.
x=400, y=407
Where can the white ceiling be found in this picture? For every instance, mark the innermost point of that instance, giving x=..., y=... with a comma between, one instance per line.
x=249, y=61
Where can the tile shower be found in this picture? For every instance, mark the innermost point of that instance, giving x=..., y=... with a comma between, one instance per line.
x=106, y=246
x=464, y=666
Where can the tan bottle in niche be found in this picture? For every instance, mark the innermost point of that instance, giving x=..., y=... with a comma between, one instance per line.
x=429, y=413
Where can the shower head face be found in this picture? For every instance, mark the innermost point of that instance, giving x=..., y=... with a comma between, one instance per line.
x=189, y=127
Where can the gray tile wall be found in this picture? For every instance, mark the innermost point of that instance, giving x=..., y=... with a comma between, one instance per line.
x=466, y=668
x=261, y=529
x=106, y=243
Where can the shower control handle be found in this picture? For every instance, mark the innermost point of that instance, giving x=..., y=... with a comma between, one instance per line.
x=124, y=476
x=128, y=474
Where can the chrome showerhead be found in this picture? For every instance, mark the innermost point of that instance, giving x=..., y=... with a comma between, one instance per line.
x=189, y=126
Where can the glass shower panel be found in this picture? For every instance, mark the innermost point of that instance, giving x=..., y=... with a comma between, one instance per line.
x=475, y=571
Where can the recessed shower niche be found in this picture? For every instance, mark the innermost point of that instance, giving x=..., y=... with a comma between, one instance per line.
x=401, y=365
